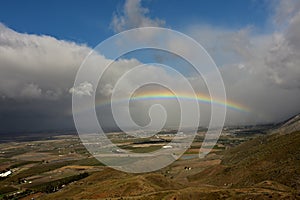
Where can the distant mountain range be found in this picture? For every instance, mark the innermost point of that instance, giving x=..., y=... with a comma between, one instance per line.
x=288, y=126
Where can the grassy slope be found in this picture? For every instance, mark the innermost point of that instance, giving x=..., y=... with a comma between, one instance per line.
x=110, y=183
x=274, y=157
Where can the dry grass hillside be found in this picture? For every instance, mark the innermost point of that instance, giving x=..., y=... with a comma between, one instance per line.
x=274, y=158
x=265, y=167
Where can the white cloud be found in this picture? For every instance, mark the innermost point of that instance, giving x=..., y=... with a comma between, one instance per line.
x=84, y=89
x=43, y=60
x=31, y=91
x=284, y=10
x=106, y=90
x=260, y=70
x=133, y=15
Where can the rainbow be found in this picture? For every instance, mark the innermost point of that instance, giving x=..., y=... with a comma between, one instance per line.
x=166, y=95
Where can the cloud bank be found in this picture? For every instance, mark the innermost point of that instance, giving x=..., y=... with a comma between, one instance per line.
x=261, y=71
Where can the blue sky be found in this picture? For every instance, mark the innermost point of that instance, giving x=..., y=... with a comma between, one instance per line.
x=89, y=21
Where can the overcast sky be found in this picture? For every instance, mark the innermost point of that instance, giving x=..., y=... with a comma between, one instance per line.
x=255, y=44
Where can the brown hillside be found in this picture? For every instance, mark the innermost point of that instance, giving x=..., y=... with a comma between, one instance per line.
x=273, y=157
x=113, y=184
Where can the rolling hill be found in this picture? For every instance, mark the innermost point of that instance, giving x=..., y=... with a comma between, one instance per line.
x=265, y=167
